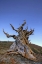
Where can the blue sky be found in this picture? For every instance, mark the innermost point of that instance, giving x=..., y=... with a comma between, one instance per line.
x=15, y=11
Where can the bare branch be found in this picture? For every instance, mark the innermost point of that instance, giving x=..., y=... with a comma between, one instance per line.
x=6, y=34
x=31, y=31
x=24, y=23
x=13, y=28
x=9, y=35
x=21, y=27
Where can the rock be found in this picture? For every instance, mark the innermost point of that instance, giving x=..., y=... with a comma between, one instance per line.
x=16, y=59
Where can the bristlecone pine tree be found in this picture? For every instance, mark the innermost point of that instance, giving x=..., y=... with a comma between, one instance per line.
x=21, y=44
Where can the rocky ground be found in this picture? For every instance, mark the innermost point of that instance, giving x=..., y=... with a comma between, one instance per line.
x=17, y=59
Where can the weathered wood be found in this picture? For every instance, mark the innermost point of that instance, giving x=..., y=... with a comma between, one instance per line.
x=21, y=44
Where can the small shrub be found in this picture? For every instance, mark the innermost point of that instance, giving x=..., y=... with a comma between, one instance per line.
x=35, y=50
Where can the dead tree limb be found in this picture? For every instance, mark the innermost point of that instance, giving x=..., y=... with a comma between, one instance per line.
x=13, y=27
x=8, y=36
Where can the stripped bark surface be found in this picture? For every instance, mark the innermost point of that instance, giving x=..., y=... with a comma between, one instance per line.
x=21, y=44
